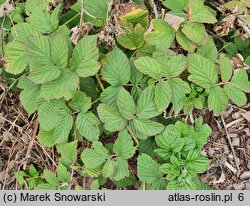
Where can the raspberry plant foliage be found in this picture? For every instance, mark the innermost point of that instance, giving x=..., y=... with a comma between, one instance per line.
x=87, y=91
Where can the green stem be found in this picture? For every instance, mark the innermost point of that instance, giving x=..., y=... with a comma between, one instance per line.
x=191, y=117
x=99, y=82
x=133, y=136
x=155, y=9
x=74, y=17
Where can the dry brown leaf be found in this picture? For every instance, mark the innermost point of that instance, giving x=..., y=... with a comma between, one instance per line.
x=174, y=21
x=79, y=32
x=5, y=9
x=226, y=25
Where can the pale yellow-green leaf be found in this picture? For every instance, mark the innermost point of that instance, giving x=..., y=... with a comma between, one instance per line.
x=203, y=72
x=163, y=36
x=126, y=104
x=163, y=95
x=236, y=95
x=196, y=32
x=88, y=126
x=226, y=68
x=62, y=87
x=111, y=117
x=217, y=100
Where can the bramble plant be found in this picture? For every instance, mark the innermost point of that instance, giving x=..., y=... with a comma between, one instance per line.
x=88, y=90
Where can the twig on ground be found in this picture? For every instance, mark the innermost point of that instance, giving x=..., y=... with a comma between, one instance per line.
x=27, y=156
x=8, y=165
x=242, y=110
x=231, y=146
x=235, y=122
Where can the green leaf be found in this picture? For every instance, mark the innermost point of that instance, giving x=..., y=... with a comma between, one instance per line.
x=147, y=127
x=96, y=156
x=108, y=168
x=30, y=91
x=217, y=100
x=32, y=171
x=196, y=162
x=226, y=68
x=236, y=3
x=38, y=48
x=45, y=187
x=126, y=104
x=62, y=173
x=54, y=17
x=195, y=32
x=169, y=141
x=203, y=72
x=136, y=133
x=163, y=95
x=230, y=48
x=40, y=19
x=133, y=39
x=136, y=76
x=185, y=43
x=80, y=102
x=172, y=66
x=62, y=130
x=16, y=58
x=109, y=95
x=96, y=172
x=59, y=50
x=96, y=8
x=241, y=43
x=85, y=57
x=200, y=13
x=17, y=14
x=163, y=36
x=95, y=185
x=240, y=81
x=147, y=146
x=148, y=169
x=117, y=69
x=121, y=170
x=62, y=87
x=68, y=153
x=137, y=16
x=124, y=146
x=51, y=113
x=88, y=126
x=50, y=177
x=177, y=5
x=111, y=117
x=44, y=74
x=125, y=182
x=22, y=31
x=149, y=66
x=45, y=138
x=208, y=51
x=146, y=107
x=236, y=95
x=179, y=90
